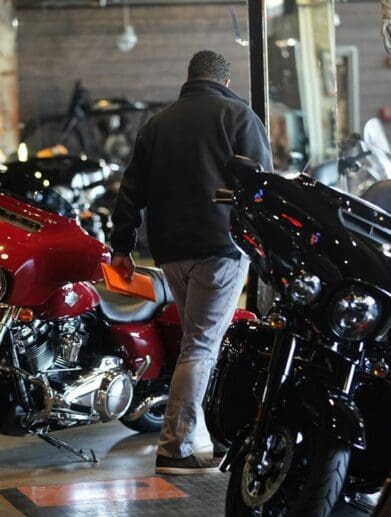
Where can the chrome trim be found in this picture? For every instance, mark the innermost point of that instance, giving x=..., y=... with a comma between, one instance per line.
x=101, y=396
x=141, y=369
x=6, y=321
x=145, y=406
x=3, y=284
x=349, y=379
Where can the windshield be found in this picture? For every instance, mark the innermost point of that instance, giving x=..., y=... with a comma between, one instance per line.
x=27, y=188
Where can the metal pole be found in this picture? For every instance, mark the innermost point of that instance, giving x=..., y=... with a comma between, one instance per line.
x=259, y=99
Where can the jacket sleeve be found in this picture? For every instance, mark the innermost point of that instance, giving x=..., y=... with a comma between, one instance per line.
x=127, y=214
x=252, y=141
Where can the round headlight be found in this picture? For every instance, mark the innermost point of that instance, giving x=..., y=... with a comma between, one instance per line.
x=354, y=315
x=3, y=284
x=305, y=288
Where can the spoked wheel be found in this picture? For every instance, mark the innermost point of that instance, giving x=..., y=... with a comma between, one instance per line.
x=299, y=475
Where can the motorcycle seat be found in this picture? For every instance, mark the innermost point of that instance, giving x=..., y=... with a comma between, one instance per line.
x=121, y=308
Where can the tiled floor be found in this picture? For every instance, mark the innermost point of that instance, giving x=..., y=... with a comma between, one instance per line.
x=37, y=479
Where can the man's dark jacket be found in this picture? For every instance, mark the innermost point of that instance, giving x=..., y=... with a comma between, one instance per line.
x=178, y=163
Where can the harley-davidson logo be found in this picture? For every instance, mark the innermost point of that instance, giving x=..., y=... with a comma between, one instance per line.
x=70, y=298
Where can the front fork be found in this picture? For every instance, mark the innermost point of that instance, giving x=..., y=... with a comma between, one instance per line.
x=9, y=315
x=6, y=322
x=280, y=364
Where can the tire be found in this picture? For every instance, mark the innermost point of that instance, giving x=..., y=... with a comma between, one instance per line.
x=309, y=488
x=150, y=422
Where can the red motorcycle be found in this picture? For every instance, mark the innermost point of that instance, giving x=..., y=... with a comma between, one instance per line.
x=71, y=352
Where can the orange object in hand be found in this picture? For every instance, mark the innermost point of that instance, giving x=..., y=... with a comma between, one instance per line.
x=139, y=285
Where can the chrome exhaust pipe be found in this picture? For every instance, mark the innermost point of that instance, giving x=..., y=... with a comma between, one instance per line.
x=141, y=369
x=145, y=406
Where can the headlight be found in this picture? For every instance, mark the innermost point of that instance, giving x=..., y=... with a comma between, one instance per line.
x=354, y=315
x=305, y=288
x=3, y=284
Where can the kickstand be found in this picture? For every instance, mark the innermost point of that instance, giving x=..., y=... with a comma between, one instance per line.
x=81, y=453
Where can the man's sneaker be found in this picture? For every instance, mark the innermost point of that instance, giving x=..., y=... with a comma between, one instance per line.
x=183, y=466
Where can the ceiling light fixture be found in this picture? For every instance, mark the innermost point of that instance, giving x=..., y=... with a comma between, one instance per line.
x=127, y=40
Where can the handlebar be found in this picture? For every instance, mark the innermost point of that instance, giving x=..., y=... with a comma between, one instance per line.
x=116, y=106
x=223, y=196
x=352, y=163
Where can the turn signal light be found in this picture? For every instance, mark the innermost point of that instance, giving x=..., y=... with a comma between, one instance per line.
x=277, y=322
x=380, y=369
x=26, y=315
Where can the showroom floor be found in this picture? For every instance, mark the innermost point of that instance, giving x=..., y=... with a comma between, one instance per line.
x=36, y=479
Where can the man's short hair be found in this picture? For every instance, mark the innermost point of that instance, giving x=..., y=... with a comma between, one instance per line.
x=209, y=64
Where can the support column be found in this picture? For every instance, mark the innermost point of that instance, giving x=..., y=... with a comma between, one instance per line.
x=9, y=105
x=259, y=86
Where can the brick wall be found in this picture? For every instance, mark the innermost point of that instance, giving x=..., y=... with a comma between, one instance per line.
x=55, y=47
x=8, y=82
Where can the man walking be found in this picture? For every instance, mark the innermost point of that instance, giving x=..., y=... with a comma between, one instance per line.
x=179, y=162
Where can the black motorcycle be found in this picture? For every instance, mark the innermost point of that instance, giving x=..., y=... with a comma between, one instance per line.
x=83, y=183
x=99, y=128
x=302, y=395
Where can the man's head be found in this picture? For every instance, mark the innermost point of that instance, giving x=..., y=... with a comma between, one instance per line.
x=207, y=64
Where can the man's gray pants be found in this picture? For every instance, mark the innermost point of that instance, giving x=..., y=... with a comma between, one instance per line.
x=206, y=292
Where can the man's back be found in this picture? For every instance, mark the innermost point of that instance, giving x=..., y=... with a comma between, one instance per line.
x=188, y=145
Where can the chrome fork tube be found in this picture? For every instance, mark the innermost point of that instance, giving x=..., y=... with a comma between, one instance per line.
x=6, y=322
x=279, y=368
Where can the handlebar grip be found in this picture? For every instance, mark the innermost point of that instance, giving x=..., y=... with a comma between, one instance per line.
x=223, y=196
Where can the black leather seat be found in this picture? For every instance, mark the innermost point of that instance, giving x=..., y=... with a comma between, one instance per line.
x=128, y=309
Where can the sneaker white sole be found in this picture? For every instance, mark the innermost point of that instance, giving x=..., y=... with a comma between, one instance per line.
x=180, y=471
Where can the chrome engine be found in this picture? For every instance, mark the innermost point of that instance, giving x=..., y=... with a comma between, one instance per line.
x=78, y=387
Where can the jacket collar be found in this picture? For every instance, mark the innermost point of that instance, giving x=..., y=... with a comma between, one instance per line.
x=207, y=87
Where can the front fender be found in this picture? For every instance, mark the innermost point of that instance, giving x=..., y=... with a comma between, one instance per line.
x=330, y=411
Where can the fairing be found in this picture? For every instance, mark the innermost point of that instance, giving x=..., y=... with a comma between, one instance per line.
x=309, y=225
x=41, y=251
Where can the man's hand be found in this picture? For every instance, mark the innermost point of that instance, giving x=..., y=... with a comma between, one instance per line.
x=124, y=264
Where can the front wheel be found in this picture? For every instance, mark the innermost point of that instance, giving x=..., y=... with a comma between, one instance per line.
x=301, y=475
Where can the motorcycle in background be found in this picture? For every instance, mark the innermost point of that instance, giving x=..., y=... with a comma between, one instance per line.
x=73, y=353
x=359, y=165
x=101, y=128
x=362, y=162
x=83, y=183
x=302, y=395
